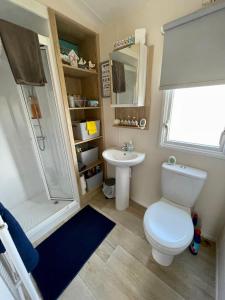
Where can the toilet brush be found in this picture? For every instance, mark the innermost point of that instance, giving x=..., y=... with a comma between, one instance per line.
x=195, y=245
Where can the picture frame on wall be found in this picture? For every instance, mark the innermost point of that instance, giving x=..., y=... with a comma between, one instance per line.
x=105, y=79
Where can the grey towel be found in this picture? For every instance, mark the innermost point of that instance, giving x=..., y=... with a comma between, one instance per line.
x=118, y=77
x=23, y=51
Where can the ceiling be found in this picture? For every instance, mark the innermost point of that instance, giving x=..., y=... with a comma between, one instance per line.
x=108, y=10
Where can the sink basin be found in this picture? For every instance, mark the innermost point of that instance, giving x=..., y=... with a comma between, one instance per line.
x=123, y=159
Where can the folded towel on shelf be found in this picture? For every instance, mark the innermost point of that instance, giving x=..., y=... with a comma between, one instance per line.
x=91, y=127
x=23, y=52
x=28, y=253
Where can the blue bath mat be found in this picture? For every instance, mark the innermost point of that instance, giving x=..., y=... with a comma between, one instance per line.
x=63, y=254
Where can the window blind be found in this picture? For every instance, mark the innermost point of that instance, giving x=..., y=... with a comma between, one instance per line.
x=194, y=49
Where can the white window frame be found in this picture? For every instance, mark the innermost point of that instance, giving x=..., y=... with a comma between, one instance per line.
x=218, y=152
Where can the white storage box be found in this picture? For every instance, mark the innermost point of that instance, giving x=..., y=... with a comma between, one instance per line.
x=80, y=131
x=89, y=156
x=94, y=181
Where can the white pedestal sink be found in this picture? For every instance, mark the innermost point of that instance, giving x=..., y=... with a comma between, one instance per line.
x=123, y=161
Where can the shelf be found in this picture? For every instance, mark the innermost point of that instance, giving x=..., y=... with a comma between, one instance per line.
x=98, y=162
x=77, y=72
x=83, y=108
x=129, y=127
x=78, y=142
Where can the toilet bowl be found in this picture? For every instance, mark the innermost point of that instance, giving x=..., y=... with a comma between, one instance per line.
x=169, y=229
x=167, y=223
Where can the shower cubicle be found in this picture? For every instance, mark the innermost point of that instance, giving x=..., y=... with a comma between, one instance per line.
x=37, y=180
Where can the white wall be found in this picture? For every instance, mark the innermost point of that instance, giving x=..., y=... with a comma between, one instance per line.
x=220, y=282
x=20, y=13
x=146, y=177
x=76, y=10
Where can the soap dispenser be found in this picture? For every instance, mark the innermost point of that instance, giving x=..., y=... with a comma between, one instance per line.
x=130, y=146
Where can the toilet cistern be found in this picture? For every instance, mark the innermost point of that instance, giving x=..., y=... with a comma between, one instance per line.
x=123, y=161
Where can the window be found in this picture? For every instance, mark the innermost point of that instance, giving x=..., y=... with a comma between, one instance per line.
x=194, y=119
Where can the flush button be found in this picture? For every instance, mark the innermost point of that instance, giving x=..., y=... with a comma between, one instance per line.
x=182, y=167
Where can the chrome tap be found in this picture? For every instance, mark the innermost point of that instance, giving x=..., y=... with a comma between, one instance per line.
x=128, y=146
x=124, y=147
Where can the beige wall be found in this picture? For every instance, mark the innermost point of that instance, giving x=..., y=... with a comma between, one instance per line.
x=146, y=177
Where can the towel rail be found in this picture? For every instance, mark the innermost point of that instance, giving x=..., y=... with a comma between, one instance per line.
x=17, y=262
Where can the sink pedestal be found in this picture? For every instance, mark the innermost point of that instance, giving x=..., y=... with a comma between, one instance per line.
x=122, y=187
x=123, y=161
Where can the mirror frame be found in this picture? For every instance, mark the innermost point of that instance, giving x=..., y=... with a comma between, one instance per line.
x=141, y=77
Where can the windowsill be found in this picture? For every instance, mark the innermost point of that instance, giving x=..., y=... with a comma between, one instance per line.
x=192, y=150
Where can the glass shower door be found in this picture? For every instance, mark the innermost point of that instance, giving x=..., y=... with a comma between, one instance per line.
x=44, y=118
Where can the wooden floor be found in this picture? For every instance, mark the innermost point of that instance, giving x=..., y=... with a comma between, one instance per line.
x=123, y=268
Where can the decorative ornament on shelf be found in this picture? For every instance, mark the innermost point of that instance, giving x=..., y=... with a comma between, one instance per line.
x=91, y=66
x=117, y=122
x=206, y=3
x=124, y=43
x=82, y=63
x=142, y=123
x=138, y=37
x=129, y=122
x=65, y=58
x=73, y=58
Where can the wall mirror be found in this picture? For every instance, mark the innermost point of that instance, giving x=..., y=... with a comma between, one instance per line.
x=128, y=76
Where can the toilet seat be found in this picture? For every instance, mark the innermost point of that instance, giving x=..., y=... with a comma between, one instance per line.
x=168, y=227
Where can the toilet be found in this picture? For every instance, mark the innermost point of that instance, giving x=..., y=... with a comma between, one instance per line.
x=167, y=223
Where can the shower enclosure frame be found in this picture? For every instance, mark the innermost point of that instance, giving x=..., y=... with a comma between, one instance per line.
x=72, y=207
x=43, y=41
x=40, y=20
x=39, y=232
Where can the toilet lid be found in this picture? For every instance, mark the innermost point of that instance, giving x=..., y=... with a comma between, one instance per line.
x=168, y=225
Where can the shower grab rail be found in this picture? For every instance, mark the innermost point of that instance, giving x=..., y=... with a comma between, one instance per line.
x=16, y=261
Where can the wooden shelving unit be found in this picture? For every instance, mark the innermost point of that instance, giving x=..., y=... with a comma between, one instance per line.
x=79, y=81
x=98, y=162
x=77, y=72
x=79, y=142
x=128, y=126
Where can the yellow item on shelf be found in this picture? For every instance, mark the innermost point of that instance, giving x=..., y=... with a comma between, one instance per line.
x=91, y=127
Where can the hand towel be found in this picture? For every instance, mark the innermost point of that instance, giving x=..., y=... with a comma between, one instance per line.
x=28, y=254
x=23, y=52
x=91, y=127
x=118, y=77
